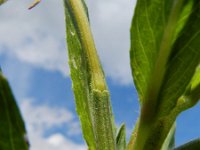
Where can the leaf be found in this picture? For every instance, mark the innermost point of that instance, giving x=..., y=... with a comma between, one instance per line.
x=147, y=31
x=193, y=92
x=183, y=61
x=195, y=79
x=89, y=85
x=121, y=138
x=152, y=32
x=12, y=128
x=78, y=71
x=191, y=95
x=164, y=55
x=192, y=145
x=133, y=137
x=155, y=55
x=185, y=13
x=170, y=140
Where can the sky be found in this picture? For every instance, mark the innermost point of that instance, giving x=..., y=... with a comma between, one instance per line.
x=33, y=56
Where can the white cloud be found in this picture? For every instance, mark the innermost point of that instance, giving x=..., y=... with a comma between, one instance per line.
x=39, y=119
x=37, y=36
x=111, y=23
x=58, y=141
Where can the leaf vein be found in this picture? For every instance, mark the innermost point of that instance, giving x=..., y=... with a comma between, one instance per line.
x=182, y=75
x=149, y=24
x=186, y=45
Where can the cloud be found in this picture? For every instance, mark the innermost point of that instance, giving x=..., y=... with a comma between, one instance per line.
x=59, y=142
x=38, y=36
x=110, y=22
x=40, y=119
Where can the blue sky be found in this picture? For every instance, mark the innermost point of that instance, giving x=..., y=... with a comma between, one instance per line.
x=33, y=56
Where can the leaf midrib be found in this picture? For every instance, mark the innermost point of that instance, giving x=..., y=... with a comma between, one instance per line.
x=159, y=70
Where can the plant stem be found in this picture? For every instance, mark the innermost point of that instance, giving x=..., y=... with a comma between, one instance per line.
x=98, y=81
x=98, y=98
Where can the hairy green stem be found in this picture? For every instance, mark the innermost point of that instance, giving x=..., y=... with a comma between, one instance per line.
x=98, y=81
x=101, y=121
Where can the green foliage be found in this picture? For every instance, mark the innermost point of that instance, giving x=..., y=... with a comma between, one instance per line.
x=79, y=75
x=90, y=89
x=121, y=138
x=164, y=56
x=12, y=129
x=169, y=142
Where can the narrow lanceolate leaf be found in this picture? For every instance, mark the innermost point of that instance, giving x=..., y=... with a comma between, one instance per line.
x=12, y=128
x=192, y=145
x=193, y=92
x=78, y=67
x=90, y=89
x=121, y=138
x=169, y=143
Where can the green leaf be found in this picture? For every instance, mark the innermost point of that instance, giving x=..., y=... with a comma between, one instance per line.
x=133, y=137
x=121, y=138
x=191, y=95
x=192, y=145
x=193, y=92
x=170, y=140
x=183, y=61
x=156, y=55
x=195, y=79
x=79, y=76
x=12, y=128
x=89, y=85
x=147, y=30
x=164, y=55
